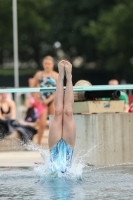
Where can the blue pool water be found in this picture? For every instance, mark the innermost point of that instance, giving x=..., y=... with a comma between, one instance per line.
x=96, y=184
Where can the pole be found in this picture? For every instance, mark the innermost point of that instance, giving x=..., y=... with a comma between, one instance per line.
x=15, y=49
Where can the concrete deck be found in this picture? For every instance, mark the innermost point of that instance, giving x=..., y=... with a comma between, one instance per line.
x=13, y=154
x=20, y=159
x=13, y=142
x=103, y=140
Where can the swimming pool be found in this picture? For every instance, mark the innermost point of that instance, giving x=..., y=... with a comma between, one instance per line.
x=96, y=184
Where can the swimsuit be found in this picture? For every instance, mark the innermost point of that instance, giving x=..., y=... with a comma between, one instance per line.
x=46, y=82
x=60, y=157
x=3, y=112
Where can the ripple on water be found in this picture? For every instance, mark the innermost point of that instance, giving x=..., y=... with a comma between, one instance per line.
x=109, y=183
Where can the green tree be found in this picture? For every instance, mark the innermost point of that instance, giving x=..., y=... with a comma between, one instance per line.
x=113, y=35
x=33, y=28
x=68, y=20
x=5, y=29
x=98, y=30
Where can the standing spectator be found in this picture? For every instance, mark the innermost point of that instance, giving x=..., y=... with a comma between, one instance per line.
x=123, y=95
x=46, y=78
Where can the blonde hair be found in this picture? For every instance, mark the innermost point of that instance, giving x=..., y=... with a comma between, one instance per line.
x=83, y=83
x=48, y=58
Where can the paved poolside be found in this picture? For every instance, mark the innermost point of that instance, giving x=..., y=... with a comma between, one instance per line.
x=20, y=159
x=13, y=154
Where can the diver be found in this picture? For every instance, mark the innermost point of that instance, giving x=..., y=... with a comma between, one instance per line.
x=62, y=132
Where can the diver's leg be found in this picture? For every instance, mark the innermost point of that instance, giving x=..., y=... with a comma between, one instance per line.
x=55, y=132
x=69, y=129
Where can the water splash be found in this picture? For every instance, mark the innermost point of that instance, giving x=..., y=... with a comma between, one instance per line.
x=74, y=172
x=78, y=166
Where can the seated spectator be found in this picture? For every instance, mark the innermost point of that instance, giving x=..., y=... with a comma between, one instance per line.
x=8, y=124
x=9, y=96
x=32, y=103
x=34, y=107
x=7, y=107
x=130, y=97
x=123, y=95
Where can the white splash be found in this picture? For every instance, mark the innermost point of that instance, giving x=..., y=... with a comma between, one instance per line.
x=74, y=172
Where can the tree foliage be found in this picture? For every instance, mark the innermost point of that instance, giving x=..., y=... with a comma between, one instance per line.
x=113, y=33
x=68, y=20
x=99, y=31
x=33, y=28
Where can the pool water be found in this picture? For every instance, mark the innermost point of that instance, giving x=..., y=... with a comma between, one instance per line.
x=96, y=184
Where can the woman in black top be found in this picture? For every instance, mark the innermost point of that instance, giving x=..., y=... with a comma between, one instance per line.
x=7, y=107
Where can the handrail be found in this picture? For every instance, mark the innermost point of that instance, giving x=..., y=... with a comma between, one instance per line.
x=75, y=88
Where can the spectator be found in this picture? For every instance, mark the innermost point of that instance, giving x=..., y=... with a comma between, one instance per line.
x=123, y=95
x=8, y=124
x=7, y=107
x=31, y=99
x=46, y=78
x=34, y=108
x=9, y=96
x=32, y=95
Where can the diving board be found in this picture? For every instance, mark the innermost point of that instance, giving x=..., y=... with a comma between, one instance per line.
x=75, y=88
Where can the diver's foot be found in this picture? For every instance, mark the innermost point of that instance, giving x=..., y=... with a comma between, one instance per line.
x=68, y=69
x=61, y=68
